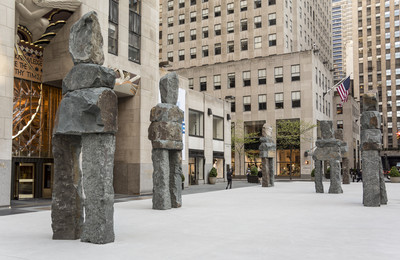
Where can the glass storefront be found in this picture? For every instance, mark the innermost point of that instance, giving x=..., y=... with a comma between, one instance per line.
x=288, y=161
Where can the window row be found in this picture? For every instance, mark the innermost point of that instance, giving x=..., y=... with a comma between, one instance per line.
x=230, y=7
x=196, y=125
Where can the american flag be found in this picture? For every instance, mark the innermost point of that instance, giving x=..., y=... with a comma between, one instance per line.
x=343, y=89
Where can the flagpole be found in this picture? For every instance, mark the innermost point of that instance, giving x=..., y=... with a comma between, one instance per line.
x=337, y=84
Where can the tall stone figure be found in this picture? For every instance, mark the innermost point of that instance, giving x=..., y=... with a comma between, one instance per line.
x=345, y=161
x=374, y=189
x=84, y=141
x=267, y=149
x=165, y=133
x=328, y=149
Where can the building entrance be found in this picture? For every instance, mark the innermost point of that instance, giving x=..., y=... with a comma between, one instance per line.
x=25, y=181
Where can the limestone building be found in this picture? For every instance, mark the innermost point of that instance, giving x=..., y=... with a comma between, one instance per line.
x=271, y=59
x=377, y=64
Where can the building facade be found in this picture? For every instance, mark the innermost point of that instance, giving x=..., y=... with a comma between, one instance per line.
x=271, y=59
x=377, y=64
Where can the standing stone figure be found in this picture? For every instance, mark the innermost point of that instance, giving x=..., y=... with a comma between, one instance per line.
x=345, y=161
x=84, y=141
x=267, y=149
x=374, y=189
x=328, y=149
x=165, y=133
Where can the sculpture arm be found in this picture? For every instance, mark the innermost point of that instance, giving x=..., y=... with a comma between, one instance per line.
x=26, y=13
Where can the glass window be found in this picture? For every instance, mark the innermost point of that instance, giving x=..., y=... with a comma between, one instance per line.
x=233, y=107
x=246, y=103
x=193, y=34
x=257, y=42
x=257, y=4
x=170, y=56
x=181, y=3
x=170, y=21
x=272, y=40
x=295, y=72
x=205, y=50
x=231, y=46
x=218, y=128
x=192, y=2
x=257, y=22
x=231, y=80
x=181, y=54
x=217, y=49
x=196, y=123
x=113, y=27
x=217, y=29
x=181, y=19
x=205, y=32
x=278, y=100
x=243, y=5
x=193, y=16
x=181, y=36
x=262, y=77
x=272, y=19
x=246, y=79
x=296, y=99
x=203, y=83
x=193, y=53
x=230, y=27
x=244, y=45
x=243, y=25
x=134, y=31
x=278, y=71
x=170, y=38
x=230, y=8
x=170, y=5
x=272, y=2
x=217, y=11
x=217, y=82
x=339, y=109
x=204, y=14
x=339, y=124
x=191, y=83
x=262, y=102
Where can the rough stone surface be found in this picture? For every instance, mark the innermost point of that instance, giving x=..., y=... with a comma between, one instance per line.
x=86, y=41
x=335, y=186
x=88, y=76
x=327, y=153
x=268, y=177
x=382, y=185
x=370, y=120
x=371, y=139
x=266, y=148
x=161, y=179
x=326, y=129
x=166, y=113
x=67, y=207
x=175, y=178
x=370, y=102
x=97, y=167
x=168, y=131
x=370, y=175
x=319, y=187
x=346, y=171
x=169, y=88
x=92, y=110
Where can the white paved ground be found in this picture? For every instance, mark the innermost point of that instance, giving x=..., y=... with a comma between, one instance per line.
x=288, y=221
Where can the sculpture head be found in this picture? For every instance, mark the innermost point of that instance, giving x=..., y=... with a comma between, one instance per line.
x=370, y=101
x=326, y=129
x=169, y=88
x=266, y=130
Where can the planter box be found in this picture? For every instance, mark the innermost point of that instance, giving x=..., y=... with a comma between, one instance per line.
x=212, y=180
x=395, y=179
x=252, y=178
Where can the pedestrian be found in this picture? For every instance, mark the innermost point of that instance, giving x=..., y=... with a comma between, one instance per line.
x=359, y=175
x=260, y=173
x=229, y=178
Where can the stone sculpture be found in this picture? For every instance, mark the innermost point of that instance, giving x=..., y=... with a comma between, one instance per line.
x=328, y=149
x=345, y=161
x=165, y=133
x=267, y=149
x=374, y=189
x=84, y=142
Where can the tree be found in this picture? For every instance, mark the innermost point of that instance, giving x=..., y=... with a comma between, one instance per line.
x=289, y=133
x=239, y=139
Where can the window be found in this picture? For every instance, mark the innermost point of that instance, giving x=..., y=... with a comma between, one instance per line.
x=170, y=56
x=196, y=123
x=193, y=53
x=272, y=40
x=218, y=128
x=243, y=25
x=278, y=71
x=278, y=100
x=231, y=46
x=339, y=109
x=113, y=27
x=181, y=54
x=181, y=36
x=271, y=2
x=272, y=19
x=231, y=80
x=170, y=5
x=193, y=34
x=205, y=32
x=217, y=49
x=230, y=8
x=170, y=21
x=257, y=22
x=230, y=28
x=217, y=82
x=244, y=45
x=243, y=5
x=246, y=103
x=193, y=17
x=134, y=31
x=295, y=72
x=203, y=83
x=233, y=107
x=246, y=79
x=217, y=29
x=296, y=99
x=257, y=42
x=170, y=38
x=262, y=102
x=339, y=124
x=262, y=77
x=191, y=83
x=205, y=50
x=257, y=4
x=192, y=2
x=204, y=14
x=181, y=19
x=217, y=11
x=181, y=3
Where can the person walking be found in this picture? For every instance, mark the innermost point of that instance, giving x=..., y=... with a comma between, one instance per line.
x=229, y=178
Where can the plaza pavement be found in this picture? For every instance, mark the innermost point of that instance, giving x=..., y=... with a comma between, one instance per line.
x=288, y=221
